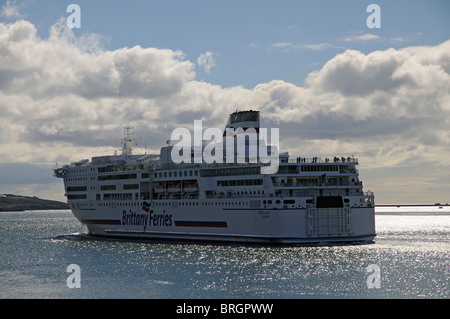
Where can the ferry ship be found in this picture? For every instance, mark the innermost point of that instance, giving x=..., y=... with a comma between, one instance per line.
x=306, y=201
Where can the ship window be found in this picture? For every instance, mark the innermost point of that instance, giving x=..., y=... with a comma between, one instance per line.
x=107, y=187
x=76, y=188
x=131, y=186
x=76, y=196
x=190, y=173
x=165, y=174
x=117, y=177
x=196, y=173
x=175, y=174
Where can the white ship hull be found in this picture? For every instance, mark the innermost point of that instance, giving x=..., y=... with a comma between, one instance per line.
x=305, y=201
x=282, y=226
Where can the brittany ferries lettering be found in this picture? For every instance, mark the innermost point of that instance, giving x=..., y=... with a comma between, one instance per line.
x=150, y=219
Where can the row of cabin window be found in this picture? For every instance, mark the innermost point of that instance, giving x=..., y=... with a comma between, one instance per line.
x=203, y=203
x=176, y=174
x=254, y=170
x=113, y=187
x=70, y=171
x=77, y=179
x=319, y=168
x=240, y=182
x=119, y=204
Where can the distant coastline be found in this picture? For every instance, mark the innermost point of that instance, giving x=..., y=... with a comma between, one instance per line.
x=412, y=205
x=10, y=202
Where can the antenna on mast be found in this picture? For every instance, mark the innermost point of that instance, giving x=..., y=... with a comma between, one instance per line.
x=127, y=140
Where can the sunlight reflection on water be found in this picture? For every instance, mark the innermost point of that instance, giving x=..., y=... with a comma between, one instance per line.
x=412, y=250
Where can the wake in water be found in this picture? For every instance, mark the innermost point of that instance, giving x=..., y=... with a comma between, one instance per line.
x=74, y=236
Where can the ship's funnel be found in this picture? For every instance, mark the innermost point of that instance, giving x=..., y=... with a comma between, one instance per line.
x=243, y=120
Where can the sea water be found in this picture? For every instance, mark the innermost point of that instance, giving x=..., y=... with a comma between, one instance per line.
x=410, y=258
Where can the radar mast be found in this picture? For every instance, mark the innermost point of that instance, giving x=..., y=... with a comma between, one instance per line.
x=127, y=140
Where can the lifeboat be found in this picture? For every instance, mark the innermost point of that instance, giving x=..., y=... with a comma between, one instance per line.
x=159, y=188
x=174, y=188
x=190, y=188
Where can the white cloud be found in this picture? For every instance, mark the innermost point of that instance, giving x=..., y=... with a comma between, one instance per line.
x=282, y=45
x=52, y=89
x=397, y=40
x=64, y=98
x=206, y=61
x=361, y=37
x=10, y=10
x=289, y=46
x=63, y=65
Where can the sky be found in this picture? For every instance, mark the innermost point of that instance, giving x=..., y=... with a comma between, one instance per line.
x=320, y=71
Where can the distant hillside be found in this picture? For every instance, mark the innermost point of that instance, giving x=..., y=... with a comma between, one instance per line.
x=9, y=202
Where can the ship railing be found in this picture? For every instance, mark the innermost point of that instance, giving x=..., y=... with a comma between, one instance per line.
x=314, y=192
x=205, y=165
x=244, y=194
x=317, y=183
x=83, y=162
x=123, y=167
x=342, y=159
x=296, y=193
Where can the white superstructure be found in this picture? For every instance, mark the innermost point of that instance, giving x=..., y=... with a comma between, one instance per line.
x=309, y=200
